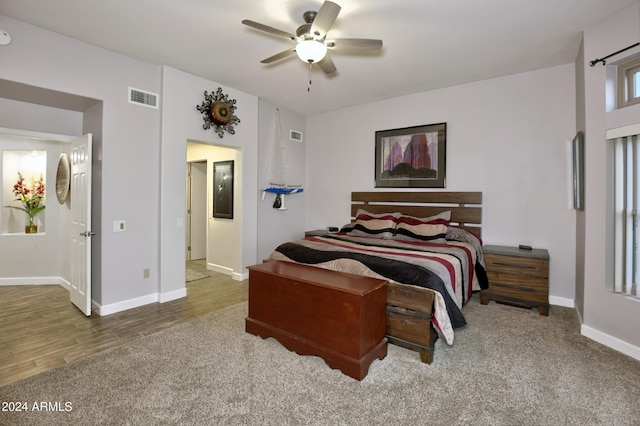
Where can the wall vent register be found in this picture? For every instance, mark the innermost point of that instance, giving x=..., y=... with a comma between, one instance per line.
x=295, y=135
x=140, y=97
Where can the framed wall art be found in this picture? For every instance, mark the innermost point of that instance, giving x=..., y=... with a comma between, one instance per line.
x=411, y=157
x=578, y=171
x=223, y=189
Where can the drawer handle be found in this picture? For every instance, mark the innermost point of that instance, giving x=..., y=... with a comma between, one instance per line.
x=512, y=265
x=515, y=287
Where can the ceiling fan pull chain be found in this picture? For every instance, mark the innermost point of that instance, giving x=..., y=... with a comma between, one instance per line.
x=309, y=87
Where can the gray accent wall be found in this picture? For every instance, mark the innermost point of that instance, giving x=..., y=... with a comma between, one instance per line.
x=609, y=318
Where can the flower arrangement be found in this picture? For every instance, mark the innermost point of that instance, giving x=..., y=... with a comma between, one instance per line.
x=31, y=198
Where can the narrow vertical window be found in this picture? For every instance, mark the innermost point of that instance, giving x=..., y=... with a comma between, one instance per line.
x=626, y=197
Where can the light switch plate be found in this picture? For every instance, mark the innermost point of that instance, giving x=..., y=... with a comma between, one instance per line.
x=119, y=225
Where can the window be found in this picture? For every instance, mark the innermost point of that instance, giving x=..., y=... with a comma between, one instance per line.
x=626, y=182
x=629, y=83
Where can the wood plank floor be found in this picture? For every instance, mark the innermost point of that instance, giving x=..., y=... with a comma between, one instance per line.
x=40, y=329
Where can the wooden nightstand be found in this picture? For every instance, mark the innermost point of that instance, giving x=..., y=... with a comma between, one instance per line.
x=516, y=276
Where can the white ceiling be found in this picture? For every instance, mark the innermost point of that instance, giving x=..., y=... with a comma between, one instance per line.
x=428, y=44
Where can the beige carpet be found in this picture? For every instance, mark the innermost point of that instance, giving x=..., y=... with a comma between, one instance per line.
x=193, y=275
x=508, y=366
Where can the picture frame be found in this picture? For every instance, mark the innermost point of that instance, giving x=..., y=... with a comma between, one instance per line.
x=411, y=157
x=223, y=189
x=578, y=171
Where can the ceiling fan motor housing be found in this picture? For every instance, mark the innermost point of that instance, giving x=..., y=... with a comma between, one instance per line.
x=304, y=32
x=309, y=16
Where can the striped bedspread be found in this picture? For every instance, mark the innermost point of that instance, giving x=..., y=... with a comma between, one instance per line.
x=451, y=269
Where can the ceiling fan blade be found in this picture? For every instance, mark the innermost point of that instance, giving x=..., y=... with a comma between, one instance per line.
x=278, y=56
x=354, y=44
x=324, y=19
x=268, y=29
x=327, y=65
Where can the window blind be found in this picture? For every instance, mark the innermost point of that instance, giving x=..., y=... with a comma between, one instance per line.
x=626, y=199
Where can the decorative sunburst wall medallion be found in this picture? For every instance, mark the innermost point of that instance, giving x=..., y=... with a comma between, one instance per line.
x=218, y=112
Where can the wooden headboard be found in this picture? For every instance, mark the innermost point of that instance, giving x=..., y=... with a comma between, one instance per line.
x=466, y=207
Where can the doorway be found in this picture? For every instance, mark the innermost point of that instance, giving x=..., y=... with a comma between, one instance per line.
x=222, y=236
x=196, y=231
x=49, y=264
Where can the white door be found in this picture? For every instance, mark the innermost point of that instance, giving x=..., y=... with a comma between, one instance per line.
x=197, y=211
x=80, y=197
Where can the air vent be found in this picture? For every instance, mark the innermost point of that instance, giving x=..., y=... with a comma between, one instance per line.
x=294, y=135
x=140, y=97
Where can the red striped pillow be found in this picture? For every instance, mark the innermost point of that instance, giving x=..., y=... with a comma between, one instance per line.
x=374, y=225
x=423, y=229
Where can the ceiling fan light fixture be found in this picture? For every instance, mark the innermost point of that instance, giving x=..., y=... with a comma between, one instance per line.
x=311, y=51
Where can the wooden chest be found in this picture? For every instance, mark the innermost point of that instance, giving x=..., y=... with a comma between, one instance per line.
x=517, y=276
x=313, y=311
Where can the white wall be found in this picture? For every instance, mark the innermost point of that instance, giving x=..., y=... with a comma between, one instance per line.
x=609, y=318
x=507, y=137
x=39, y=118
x=181, y=122
x=277, y=226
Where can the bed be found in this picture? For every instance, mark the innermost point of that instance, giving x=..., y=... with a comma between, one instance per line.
x=427, y=244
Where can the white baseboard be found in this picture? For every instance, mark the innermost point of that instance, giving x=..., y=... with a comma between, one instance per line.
x=596, y=335
x=66, y=284
x=172, y=295
x=112, y=308
x=562, y=301
x=221, y=269
x=228, y=271
x=33, y=281
x=101, y=310
x=240, y=277
x=610, y=341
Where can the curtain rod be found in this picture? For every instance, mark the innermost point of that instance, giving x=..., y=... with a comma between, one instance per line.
x=603, y=60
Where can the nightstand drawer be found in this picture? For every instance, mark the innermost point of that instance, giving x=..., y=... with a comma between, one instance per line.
x=527, y=283
x=531, y=291
x=513, y=265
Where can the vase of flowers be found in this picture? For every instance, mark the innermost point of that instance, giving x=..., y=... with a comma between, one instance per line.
x=31, y=199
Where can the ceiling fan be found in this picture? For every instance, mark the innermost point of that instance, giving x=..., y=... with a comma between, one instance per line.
x=311, y=38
